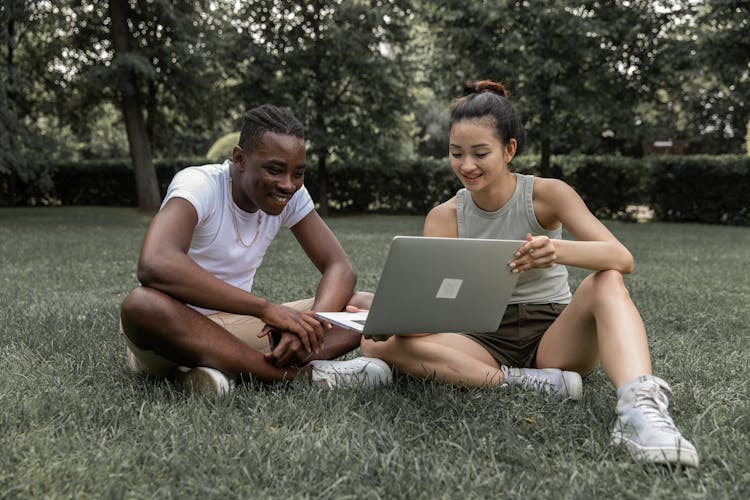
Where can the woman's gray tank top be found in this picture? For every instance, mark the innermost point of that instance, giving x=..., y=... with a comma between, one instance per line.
x=511, y=222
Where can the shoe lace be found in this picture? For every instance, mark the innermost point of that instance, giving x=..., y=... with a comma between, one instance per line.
x=526, y=380
x=654, y=405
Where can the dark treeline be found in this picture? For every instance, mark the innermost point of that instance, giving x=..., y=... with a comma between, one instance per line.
x=371, y=79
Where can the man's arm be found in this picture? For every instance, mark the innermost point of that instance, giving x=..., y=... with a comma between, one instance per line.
x=336, y=284
x=333, y=293
x=164, y=265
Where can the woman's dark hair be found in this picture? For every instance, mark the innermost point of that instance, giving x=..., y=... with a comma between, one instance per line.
x=268, y=118
x=487, y=100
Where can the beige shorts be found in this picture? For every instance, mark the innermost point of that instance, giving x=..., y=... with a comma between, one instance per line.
x=245, y=328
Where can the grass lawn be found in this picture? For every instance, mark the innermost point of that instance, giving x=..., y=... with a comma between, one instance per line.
x=75, y=423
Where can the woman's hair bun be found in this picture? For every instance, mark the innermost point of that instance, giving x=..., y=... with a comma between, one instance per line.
x=484, y=86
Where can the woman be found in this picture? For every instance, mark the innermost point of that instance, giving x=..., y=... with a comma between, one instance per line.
x=548, y=337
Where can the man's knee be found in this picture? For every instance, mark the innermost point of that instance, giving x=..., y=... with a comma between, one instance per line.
x=139, y=302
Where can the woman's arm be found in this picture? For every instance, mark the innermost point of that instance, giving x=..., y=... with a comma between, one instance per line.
x=594, y=246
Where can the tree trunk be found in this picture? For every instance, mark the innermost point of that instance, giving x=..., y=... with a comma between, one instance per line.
x=146, y=182
x=322, y=183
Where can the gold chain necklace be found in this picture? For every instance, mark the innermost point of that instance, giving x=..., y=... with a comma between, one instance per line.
x=234, y=220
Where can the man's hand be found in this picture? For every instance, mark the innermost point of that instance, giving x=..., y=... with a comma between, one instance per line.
x=289, y=351
x=303, y=324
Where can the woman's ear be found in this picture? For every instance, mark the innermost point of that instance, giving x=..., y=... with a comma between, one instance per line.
x=510, y=149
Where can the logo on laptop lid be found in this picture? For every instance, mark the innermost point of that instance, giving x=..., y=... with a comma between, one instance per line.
x=449, y=288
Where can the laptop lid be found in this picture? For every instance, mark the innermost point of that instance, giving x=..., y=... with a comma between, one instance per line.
x=432, y=285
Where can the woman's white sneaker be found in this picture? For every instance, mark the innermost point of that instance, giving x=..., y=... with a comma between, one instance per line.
x=551, y=381
x=357, y=372
x=645, y=427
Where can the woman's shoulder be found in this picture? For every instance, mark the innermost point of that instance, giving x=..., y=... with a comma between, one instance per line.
x=447, y=208
x=547, y=188
x=441, y=219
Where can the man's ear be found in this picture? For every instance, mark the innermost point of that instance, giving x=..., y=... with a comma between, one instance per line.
x=238, y=156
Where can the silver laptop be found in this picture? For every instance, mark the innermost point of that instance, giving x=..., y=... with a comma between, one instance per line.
x=432, y=285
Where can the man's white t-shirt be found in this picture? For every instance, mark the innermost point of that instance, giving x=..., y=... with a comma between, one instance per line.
x=215, y=246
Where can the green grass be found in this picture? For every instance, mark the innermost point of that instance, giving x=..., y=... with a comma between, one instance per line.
x=75, y=423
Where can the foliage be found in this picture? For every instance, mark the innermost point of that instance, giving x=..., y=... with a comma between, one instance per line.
x=77, y=424
x=340, y=65
x=222, y=148
x=372, y=79
x=89, y=182
x=708, y=189
x=705, y=80
x=704, y=189
x=574, y=70
x=21, y=143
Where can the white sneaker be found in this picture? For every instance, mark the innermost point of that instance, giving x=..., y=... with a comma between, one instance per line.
x=645, y=427
x=357, y=372
x=548, y=380
x=133, y=363
x=203, y=380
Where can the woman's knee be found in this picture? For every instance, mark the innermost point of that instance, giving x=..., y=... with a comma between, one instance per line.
x=604, y=282
x=371, y=348
x=362, y=300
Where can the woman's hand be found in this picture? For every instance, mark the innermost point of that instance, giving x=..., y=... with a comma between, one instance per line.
x=537, y=252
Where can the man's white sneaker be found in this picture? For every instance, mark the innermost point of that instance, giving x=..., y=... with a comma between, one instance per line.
x=357, y=372
x=133, y=363
x=548, y=380
x=203, y=380
x=644, y=426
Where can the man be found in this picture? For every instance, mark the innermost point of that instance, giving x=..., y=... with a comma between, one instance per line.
x=194, y=318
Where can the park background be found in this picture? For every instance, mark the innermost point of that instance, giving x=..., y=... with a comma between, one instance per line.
x=642, y=106
x=101, y=102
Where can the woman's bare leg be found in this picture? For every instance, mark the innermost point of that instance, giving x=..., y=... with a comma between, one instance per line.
x=446, y=357
x=601, y=323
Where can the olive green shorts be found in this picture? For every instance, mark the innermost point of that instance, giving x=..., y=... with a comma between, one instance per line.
x=516, y=340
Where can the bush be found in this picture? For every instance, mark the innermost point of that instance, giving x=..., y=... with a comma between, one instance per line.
x=106, y=182
x=406, y=187
x=709, y=189
x=608, y=184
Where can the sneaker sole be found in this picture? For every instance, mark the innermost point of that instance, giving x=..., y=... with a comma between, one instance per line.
x=573, y=385
x=374, y=373
x=656, y=455
x=377, y=379
x=203, y=380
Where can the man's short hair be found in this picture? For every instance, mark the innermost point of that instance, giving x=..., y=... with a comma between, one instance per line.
x=268, y=118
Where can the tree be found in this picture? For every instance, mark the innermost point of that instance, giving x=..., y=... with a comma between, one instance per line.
x=722, y=102
x=157, y=57
x=132, y=106
x=574, y=69
x=340, y=66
